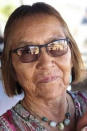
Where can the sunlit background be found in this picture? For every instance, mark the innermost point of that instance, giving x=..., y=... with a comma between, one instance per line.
x=73, y=11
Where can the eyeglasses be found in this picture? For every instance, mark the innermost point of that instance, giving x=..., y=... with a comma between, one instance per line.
x=31, y=53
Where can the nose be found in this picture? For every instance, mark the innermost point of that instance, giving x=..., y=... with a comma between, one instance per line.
x=45, y=60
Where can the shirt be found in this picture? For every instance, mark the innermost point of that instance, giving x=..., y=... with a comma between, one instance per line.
x=19, y=119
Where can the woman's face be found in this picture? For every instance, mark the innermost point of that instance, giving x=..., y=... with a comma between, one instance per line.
x=47, y=76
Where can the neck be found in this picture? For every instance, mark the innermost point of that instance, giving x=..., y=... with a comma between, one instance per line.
x=51, y=108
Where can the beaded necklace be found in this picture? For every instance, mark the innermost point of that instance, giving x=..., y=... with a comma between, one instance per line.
x=60, y=125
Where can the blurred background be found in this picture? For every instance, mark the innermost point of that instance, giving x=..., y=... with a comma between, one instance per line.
x=74, y=13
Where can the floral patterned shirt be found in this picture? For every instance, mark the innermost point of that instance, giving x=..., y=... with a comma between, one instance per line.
x=19, y=119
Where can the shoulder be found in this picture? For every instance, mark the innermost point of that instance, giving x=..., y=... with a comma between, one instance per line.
x=6, y=121
x=82, y=95
x=81, y=98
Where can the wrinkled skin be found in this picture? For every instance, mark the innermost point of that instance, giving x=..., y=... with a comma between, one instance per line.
x=40, y=31
x=44, y=81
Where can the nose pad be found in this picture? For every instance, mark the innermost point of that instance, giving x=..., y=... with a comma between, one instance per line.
x=45, y=60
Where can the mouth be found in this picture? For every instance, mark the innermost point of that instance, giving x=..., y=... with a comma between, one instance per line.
x=48, y=79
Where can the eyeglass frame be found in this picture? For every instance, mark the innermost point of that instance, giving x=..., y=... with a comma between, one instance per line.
x=40, y=46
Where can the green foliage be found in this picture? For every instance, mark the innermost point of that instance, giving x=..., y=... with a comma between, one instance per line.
x=7, y=10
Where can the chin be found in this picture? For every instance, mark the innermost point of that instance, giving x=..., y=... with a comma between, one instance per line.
x=47, y=96
x=47, y=93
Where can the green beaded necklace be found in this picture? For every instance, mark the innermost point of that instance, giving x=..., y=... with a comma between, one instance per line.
x=59, y=125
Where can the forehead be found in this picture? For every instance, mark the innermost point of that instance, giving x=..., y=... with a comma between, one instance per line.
x=36, y=29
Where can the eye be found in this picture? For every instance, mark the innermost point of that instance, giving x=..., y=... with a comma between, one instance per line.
x=57, y=48
x=23, y=51
x=28, y=50
x=59, y=45
x=34, y=49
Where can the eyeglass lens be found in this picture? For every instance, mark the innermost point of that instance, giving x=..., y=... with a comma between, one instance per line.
x=32, y=53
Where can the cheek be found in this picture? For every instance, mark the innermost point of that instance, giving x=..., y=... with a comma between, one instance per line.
x=67, y=71
x=25, y=78
x=23, y=73
x=65, y=64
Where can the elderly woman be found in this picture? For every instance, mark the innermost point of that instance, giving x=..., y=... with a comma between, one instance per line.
x=39, y=58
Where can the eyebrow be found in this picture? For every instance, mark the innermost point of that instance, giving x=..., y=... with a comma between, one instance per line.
x=25, y=43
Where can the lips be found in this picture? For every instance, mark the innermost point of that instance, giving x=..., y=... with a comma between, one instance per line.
x=48, y=79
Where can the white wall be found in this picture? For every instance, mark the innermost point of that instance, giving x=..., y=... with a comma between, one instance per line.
x=6, y=102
